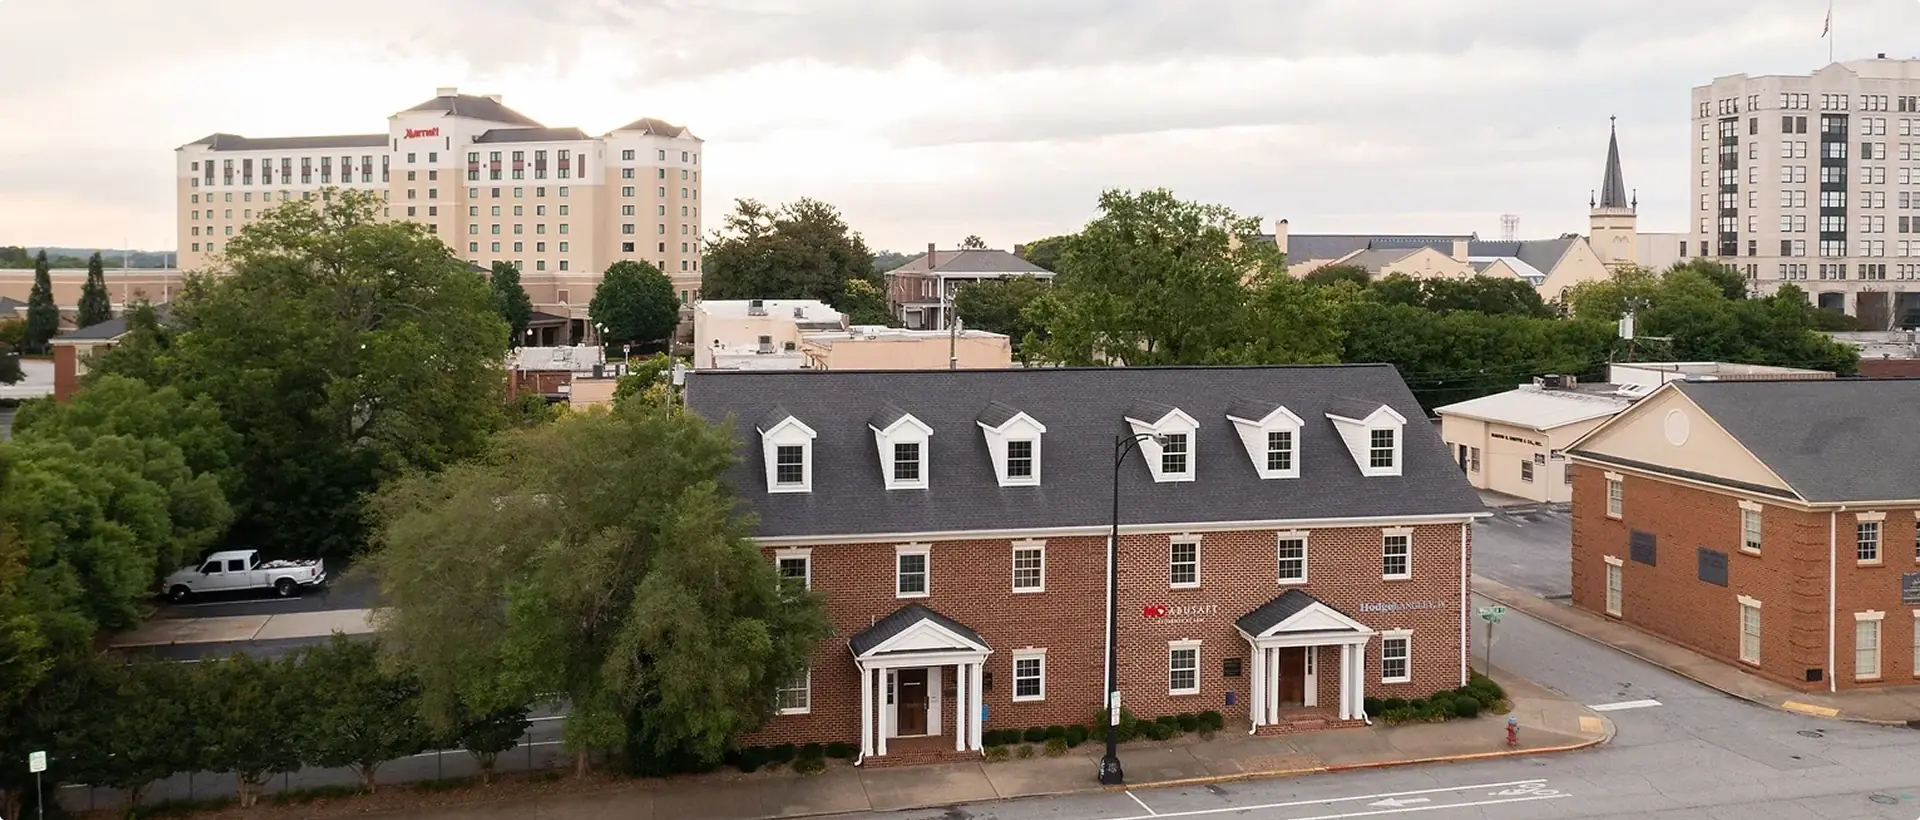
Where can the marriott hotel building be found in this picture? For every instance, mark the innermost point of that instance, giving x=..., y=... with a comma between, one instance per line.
x=492, y=182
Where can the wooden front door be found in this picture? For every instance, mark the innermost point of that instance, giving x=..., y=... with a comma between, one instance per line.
x=1293, y=677
x=911, y=702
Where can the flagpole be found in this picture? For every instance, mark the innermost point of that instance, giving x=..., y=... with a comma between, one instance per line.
x=1829, y=32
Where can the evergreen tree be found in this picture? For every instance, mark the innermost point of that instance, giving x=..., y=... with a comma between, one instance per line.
x=43, y=318
x=510, y=300
x=94, y=305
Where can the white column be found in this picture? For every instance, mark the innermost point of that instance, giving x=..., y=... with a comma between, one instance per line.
x=973, y=708
x=961, y=726
x=1273, y=685
x=1257, y=691
x=880, y=717
x=867, y=717
x=1359, y=680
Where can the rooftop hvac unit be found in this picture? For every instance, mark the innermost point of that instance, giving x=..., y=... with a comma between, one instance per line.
x=756, y=307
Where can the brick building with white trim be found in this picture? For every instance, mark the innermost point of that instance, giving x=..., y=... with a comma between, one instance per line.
x=1294, y=541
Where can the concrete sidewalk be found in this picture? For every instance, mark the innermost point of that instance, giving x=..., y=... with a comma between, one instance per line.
x=168, y=631
x=1549, y=723
x=1899, y=705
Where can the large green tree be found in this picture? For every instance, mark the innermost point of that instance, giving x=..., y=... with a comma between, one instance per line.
x=1697, y=312
x=343, y=348
x=10, y=370
x=510, y=300
x=1046, y=252
x=1479, y=294
x=634, y=304
x=247, y=732
x=355, y=711
x=1000, y=306
x=865, y=304
x=95, y=306
x=1466, y=354
x=973, y=242
x=1154, y=280
x=801, y=250
x=600, y=559
x=43, y=317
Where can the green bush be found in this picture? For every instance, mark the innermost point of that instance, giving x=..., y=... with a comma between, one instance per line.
x=1025, y=752
x=1373, y=706
x=1036, y=734
x=1189, y=722
x=810, y=765
x=1076, y=735
x=1129, y=725
x=1156, y=730
x=1056, y=732
x=995, y=754
x=1211, y=721
x=1479, y=682
x=750, y=758
x=990, y=737
x=842, y=750
x=1392, y=705
x=1056, y=746
x=1466, y=708
x=814, y=751
x=782, y=753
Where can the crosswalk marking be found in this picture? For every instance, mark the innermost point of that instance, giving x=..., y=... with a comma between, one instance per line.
x=1625, y=704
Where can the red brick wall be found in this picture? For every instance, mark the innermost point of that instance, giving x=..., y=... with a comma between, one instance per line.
x=971, y=583
x=66, y=372
x=1788, y=577
x=1889, y=368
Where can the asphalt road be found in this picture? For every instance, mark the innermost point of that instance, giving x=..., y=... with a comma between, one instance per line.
x=1697, y=755
x=1526, y=550
x=345, y=589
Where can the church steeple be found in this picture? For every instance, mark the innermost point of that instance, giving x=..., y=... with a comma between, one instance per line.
x=1613, y=187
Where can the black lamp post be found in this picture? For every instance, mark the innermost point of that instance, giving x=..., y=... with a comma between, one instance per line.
x=1110, y=772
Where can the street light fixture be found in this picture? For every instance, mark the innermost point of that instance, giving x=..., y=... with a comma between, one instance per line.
x=1110, y=772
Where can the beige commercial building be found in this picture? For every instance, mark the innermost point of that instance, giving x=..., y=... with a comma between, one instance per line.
x=805, y=334
x=124, y=287
x=1814, y=179
x=493, y=183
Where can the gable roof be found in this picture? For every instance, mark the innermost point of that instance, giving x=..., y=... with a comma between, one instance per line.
x=476, y=107
x=1276, y=612
x=235, y=142
x=900, y=621
x=987, y=261
x=1084, y=409
x=651, y=125
x=1308, y=247
x=1537, y=409
x=106, y=331
x=532, y=135
x=1831, y=440
x=10, y=306
x=1542, y=254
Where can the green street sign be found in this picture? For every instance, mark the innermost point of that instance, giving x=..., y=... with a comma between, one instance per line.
x=1490, y=617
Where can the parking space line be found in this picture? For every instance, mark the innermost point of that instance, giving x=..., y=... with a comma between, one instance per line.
x=1534, y=784
x=1353, y=814
x=1143, y=805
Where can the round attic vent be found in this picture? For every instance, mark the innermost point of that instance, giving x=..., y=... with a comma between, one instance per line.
x=1677, y=427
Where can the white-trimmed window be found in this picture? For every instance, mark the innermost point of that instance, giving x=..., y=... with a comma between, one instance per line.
x=1013, y=442
x=1271, y=437
x=1396, y=656
x=1866, y=542
x=913, y=571
x=903, y=447
x=1020, y=459
x=906, y=462
x=1616, y=495
x=1396, y=554
x=1866, y=645
x=1750, y=526
x=796, y=698
x=1029, y=675
x=795, y=567
x=1383, y=448
x=1749, y=630
x=1615, y=569
x=1291, y=551
x=1280, y=451
x=787, y=446
x=790, y=465
x=1526, y=471
x=1183, y=562
x=1029, y=566
x=1183, y=667
x=1174, y=455
x=1166, y=441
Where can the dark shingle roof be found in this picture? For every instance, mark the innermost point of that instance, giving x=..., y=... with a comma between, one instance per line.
x=1084, y=409
x=10, y=307
x=1150, y=412
x=650, y=125
x=1543, y=254
x=996, y=414
x=773, y=417
x=1356, y=409
x=900, y=621
x=988, y=261
x=1308, y=247
x=479, y=108
x=235, y=142
x=108, y=330
x=1249, y=410
x=532, y=135
x=886, y=416
x=1831, y=440
x=1613, y=185
x=1290, y=603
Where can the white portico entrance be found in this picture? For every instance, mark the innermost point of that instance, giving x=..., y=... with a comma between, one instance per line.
x=911, y=664
x=1286, y=635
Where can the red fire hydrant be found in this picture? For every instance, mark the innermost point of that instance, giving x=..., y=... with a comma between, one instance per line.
x=1513, y=731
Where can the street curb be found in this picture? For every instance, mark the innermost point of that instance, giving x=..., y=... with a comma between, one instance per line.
x=1218, y=778
x=1840, y=716
x=1383, y=764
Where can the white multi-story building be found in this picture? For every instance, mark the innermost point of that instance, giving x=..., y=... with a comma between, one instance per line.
x=1815, y=180
x=494, y=184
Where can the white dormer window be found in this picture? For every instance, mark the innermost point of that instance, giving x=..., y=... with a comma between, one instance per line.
x=901, y=441
x=1013, y=441
x=787, y=449
x=1167, y=442
x=1373, y=434
x=1271, y=435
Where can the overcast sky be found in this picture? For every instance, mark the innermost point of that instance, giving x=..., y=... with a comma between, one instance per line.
x=927, y=120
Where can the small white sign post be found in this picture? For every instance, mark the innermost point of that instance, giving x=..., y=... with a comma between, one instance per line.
x=37, y=763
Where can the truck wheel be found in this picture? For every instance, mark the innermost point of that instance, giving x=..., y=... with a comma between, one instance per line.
x=179, y=594
x=284, y=587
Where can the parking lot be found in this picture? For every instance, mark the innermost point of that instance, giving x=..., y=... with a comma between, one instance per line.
x=1526, y=549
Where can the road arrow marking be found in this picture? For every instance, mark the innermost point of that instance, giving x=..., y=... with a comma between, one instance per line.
x=1399, y=802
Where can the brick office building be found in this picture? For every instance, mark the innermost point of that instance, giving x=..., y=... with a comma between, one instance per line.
x=1288, y=528
x=1769, y=525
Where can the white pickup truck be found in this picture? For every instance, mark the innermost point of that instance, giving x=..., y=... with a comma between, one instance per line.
x=236, y=570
